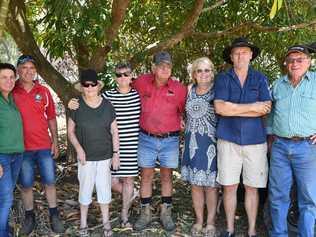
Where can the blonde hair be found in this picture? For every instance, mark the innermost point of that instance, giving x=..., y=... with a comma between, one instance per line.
x=197, y=62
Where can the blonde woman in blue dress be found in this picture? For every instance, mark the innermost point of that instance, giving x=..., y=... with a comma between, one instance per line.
x=199, y=165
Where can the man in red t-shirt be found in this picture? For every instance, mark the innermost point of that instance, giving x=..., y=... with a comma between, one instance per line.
x=38, y=116
x=162, y=106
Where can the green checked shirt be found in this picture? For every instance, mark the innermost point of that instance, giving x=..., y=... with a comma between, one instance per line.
x=294, y=108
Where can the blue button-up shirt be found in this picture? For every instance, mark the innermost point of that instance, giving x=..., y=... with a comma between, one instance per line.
x=242, y=130
x=294, y=108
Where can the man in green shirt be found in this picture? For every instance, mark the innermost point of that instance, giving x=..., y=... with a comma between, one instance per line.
x=11, y=144
x=293, y=126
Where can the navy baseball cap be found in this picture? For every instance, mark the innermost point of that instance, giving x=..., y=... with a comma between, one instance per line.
x=162, y=57
x=24, y=59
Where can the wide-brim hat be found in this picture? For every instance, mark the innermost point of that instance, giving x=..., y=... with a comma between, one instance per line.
x=240, y=42
x=88, y=75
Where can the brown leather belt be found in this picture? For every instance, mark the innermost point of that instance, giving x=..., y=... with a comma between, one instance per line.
x=295, y=138
x=161, y=135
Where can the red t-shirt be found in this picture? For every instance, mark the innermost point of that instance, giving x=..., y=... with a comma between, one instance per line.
x=161, y=107
x=36, y=108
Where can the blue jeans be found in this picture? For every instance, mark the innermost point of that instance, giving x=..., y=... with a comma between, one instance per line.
x=292, y=159
x=46, y=164
x=11, y=164
x=166, y=150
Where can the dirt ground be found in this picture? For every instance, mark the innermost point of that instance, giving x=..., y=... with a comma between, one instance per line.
x=67, y=188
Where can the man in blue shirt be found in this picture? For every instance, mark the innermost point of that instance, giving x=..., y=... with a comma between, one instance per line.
x=293, y=126
x=242, y=98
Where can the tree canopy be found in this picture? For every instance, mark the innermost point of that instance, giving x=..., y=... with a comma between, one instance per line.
x=96, y=34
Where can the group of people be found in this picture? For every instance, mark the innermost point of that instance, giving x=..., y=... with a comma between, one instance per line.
x=230, y=122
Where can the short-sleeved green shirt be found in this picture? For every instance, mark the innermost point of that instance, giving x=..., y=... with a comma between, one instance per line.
x=93, y=129
x=11, y=130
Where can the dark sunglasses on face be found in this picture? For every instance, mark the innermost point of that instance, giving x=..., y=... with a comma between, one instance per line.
x=201, y=70
x=125, y=74
x=85, y=84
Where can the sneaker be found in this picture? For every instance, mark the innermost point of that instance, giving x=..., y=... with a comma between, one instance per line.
x=56, y=224
x=29, y=224
x=227, y=234
x=166, y=218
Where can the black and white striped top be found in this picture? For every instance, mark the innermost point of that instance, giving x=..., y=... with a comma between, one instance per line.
x=127, y=109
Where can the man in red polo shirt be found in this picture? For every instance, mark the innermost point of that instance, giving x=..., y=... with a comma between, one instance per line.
x=162, y=105
x=38, y=116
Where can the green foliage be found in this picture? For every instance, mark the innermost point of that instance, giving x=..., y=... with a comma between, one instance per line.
x=76, y=26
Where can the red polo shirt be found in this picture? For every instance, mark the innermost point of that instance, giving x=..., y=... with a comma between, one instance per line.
x=36, y=108
x=161, y=107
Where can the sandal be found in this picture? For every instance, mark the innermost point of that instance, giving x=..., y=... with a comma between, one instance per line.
x=107, y=230
x=209, y=231
x=84, y=232
x=196, y=230
x=125, y=224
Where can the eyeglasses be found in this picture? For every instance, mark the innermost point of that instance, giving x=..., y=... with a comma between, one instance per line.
x=293, y=60
x=85, y=84
x=201, y=70
x=125, y=74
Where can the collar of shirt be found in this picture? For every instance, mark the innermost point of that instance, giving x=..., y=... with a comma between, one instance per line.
x=231, y=72
x=308, y=75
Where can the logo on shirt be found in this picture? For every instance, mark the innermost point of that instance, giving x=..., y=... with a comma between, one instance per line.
x=38, y=97
x=170, y=93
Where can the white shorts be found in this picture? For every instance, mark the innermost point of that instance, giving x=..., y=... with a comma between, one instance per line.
x=250, y=160
x=96, y=173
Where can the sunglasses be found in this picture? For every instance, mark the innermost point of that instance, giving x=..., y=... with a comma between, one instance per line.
x=84, y=84
x=125, y=74
x=25, y=58
x=293, y=60
x=201, y=70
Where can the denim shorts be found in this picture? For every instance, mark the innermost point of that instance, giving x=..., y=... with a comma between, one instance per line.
x=151, y=149
x=46, y=166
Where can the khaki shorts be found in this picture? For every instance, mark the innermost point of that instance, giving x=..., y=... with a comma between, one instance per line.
x=251, y=160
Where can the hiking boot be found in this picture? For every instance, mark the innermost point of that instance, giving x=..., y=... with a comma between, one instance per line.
x=227, y=234
x=145, y=218
x=166, y=218
x=28, y=225
x=56, y=224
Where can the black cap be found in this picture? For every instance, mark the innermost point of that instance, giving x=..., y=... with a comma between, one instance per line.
x=24, y=59
x=162, y=57
x=240, y=42
x=88, y=75
x=301, y=48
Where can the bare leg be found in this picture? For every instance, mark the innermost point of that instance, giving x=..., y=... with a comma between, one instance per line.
x=27, y=197
x=50, y=191
x=127, y=194
x=198, y=200
x=105, y=220
x=230, y=203
x=147, y=176
x=166, y=182
x=83, y=216
x=251, y=206
x=211, y=203
x=117, y=185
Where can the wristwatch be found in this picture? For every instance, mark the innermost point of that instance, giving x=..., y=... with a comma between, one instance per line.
x=116, y=152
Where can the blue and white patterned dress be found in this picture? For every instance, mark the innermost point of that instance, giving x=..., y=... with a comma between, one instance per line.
x=199, y=164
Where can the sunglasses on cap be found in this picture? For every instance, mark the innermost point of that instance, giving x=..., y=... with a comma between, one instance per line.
x=88, y=84
x=125, y=74
x=24, y=59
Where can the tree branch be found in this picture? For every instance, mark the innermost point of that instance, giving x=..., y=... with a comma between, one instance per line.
x=251, y=26
x=215, y=5
x=4, y=8
x=18, y=27
x=119, y=8
x=185, y=31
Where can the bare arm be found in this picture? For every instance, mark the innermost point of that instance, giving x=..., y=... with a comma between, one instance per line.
x=1, y=171
x=256, y=109
x=74, y=141
x=52, y=126
x=116, y=146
